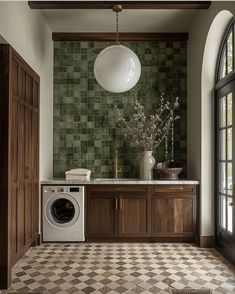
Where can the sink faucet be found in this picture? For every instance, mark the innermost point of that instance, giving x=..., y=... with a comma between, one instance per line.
x=116, y=165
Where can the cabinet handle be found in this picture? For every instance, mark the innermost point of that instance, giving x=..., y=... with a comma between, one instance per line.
x=176, y=188
x=116, y=204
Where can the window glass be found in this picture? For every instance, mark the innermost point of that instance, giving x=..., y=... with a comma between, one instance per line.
x=230, y=53
x=222, y=144
x=223, y=68
x=226, y=58
x=223, y=112
x=229, y=215
x=229, y=109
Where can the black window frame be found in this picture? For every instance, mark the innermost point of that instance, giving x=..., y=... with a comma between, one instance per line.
x=223, y=85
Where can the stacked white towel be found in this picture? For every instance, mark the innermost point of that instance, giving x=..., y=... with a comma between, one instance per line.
x=80, y=174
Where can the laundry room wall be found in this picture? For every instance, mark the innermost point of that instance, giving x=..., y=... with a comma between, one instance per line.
x=28, y=33
x=85, y=130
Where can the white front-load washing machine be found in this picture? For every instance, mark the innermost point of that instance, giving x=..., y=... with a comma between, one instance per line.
x=63, y=214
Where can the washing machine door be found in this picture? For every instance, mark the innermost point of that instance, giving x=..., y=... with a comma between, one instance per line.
x=62, y=210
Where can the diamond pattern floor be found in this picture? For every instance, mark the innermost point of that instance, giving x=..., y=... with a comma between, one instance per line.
x=121, y=268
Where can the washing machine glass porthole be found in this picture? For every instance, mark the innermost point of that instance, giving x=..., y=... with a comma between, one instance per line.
x=62, y=210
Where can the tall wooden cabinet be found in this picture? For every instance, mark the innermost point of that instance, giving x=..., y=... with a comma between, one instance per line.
x=19, y=163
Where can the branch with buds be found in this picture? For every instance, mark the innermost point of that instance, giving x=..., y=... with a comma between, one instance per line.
x=147, y=132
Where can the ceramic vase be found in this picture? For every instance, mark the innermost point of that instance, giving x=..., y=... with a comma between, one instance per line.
x=147, y=163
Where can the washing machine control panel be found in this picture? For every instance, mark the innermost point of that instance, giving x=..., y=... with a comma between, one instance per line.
x=58, y=189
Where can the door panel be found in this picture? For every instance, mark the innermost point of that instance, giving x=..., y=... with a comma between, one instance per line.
x=14, y=145
x=28, y=145
x=21, y=142
x=133, y=217
x=14, y=224
x=28, y=213
x=21, y=219
x=173, y=215
x=102, y=214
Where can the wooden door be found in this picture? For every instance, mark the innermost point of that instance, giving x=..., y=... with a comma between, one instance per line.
x=133, y=215
x=24, y=153
x=173, y=215
x=101, y=215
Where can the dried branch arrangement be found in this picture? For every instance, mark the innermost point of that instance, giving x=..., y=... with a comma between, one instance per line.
x=147, y=132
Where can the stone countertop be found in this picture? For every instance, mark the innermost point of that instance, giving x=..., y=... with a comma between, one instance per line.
x=119, y=182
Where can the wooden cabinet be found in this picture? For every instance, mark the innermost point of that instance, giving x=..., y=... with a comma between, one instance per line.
x=151, y=213
x=174, y=211
x=19, y=136
x=102, y=210
x=116, y=212
x=133, y=215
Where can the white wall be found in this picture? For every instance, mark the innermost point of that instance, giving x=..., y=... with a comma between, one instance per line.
x=204, y=39
x=29, y=34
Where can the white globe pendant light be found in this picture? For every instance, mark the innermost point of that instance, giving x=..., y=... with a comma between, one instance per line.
x=117, y=68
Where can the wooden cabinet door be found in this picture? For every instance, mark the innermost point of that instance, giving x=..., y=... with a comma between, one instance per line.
x=101, y=215
x=173, y=215
x=133, y=216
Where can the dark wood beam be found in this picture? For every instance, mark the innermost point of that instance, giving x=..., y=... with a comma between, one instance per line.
x=132, y=37
x=125, y=4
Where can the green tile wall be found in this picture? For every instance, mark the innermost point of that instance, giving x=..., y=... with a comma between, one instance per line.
x=85, y=131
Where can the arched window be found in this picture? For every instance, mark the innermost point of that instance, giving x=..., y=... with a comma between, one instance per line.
x=226, y=55
x=225, y=144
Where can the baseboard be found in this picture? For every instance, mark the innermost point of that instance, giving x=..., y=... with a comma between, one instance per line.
x=207, y=241
x=39, y=239
x=36, y=240
x=141, y=239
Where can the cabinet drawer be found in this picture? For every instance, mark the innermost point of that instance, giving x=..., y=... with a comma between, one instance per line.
x=182, y=189
x=117, y=189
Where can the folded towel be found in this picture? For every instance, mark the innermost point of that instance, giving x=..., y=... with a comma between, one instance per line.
x=78, y=171
x=77, y=177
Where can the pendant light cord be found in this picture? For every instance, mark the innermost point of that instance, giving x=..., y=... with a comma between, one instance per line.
x=117, y=34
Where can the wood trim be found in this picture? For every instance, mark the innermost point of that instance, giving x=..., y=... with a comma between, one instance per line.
x=142, y=239
x=5, y=224
x=143, y=37
x=37, y=241
x=207, y=241
x=125, y=4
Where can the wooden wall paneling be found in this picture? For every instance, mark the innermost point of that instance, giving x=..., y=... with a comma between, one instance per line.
x=22, y=84
x=35, y=158
x=21, y=172
x=5, y=256
x=18, y=180
x=13, y=162
x=14, y=224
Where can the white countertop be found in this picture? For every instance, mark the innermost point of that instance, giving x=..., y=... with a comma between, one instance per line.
x=119, y=182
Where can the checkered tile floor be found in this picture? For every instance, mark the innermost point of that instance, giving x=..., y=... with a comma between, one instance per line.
x=121, y=268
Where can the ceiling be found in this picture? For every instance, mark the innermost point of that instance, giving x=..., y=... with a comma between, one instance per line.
x=98, y=20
